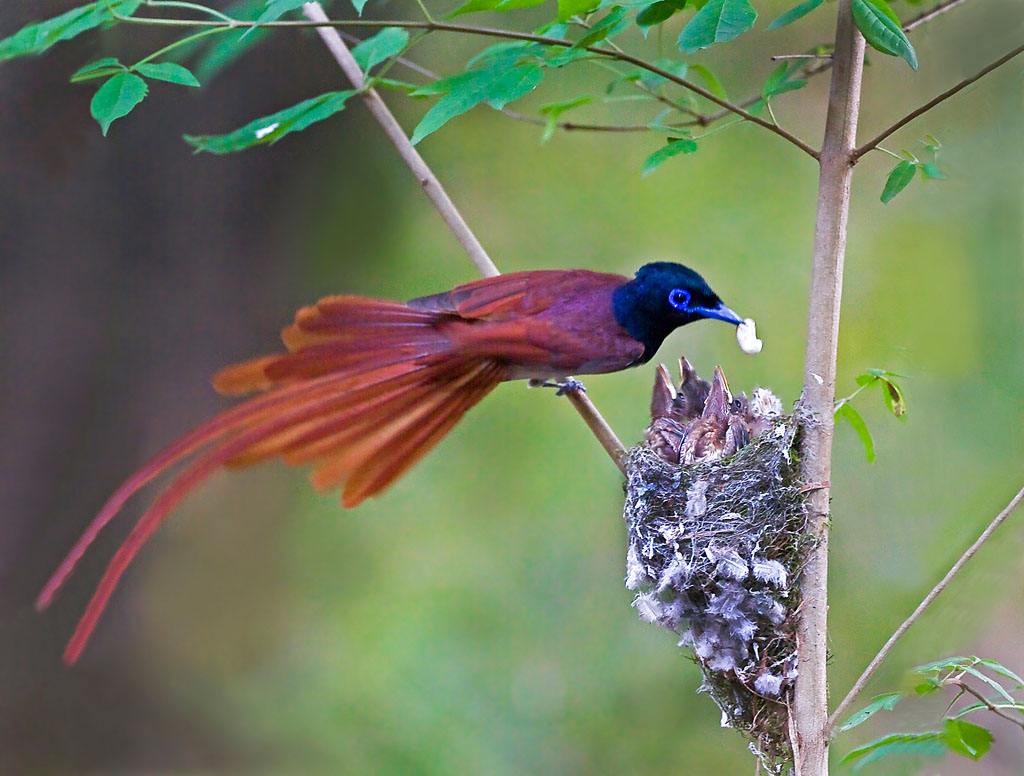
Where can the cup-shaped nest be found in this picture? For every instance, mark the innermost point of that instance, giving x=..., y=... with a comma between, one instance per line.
x=717, y=521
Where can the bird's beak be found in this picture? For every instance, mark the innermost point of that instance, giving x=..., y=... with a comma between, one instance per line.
x=721, y=313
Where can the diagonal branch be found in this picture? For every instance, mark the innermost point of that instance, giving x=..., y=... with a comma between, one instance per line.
x=444, y=205
x=873, y=143
x=931, y=13
x=966, y=688
x=876, y=661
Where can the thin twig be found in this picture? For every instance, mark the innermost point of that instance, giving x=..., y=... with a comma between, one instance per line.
x=928, y=15
x=871, y=144
x=966, y=688
x=440, y=199
x=876, y=661
x=778, y=57
x=325, y=23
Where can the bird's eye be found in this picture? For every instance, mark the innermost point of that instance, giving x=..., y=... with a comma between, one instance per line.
x=679, y=298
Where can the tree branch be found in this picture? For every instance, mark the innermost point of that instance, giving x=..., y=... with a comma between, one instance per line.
x=873, y=143
x=444, y=205
x=433, y=26
x=810, y=706
x=964, y=687
x=930, y=14
x=876, y=661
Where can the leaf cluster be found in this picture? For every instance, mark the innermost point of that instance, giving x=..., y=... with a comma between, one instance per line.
x=892, y=395
x=964, y=675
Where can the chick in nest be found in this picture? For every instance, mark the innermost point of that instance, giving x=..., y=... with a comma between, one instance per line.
x=701, y=421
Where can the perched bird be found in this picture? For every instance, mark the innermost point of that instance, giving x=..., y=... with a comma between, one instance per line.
x=367, y=387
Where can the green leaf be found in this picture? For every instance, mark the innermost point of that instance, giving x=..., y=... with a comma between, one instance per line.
x=882, y=29
x=37, y=37
x=717, y=22
x=465, y=91
x=966, y=738
x=506, y=54
x=779, y=81
x=928, y=687
x=957, y=662
x=475, y=6
x=117, y=98
x=710, y=80
x=676, y=67
x=990, y=682
x=168, y=71
x=562, y=57
x=101, y=68
x=794, y=13
x=359, y=5
x=555, y=109
x=899, y=178
x=893, y=396
x=389, y=42
x=928, y=744
x=270, y=129
x=932, y=171
x=658, y=12
x=229, y=46
x=393, y=83
x=849, y=413
x=886, y=702
x=880, y=373
x=569, y=8
x=278, y=8
x=674, y=147
x=609, y=25
x=999, y=668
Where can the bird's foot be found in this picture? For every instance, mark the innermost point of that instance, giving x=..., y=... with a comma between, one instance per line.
x=569, y=385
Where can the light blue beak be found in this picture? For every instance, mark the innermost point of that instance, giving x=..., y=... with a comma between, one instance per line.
x=721, y=313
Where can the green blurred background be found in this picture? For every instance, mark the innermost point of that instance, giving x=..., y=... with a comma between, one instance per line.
x=473, y=619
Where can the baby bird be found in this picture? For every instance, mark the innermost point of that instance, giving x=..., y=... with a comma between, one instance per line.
x=701, y=421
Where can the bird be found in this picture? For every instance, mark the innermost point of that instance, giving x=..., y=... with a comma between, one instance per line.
x=366, y=387
x=701, y=422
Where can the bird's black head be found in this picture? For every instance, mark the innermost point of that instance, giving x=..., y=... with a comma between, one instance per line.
x=662, y=297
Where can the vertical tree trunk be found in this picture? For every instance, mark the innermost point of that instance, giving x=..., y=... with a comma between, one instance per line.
x=810, y=711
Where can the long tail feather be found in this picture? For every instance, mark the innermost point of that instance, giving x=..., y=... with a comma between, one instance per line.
x=367, y=389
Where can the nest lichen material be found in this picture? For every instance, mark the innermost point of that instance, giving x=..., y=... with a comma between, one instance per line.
x=716, y=538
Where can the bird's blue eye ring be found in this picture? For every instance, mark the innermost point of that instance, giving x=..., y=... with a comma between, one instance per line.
x=679, y=298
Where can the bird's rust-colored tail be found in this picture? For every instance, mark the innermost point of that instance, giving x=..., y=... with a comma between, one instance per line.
x=367, y=389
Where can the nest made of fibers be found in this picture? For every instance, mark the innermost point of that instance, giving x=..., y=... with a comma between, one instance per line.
x=715, y=550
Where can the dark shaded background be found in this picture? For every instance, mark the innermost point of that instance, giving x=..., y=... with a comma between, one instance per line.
x=473, y=619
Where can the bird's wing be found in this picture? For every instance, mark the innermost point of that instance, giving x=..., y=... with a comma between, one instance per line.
x=517, y=294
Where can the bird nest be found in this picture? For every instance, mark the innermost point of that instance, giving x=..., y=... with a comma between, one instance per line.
x=717, y=521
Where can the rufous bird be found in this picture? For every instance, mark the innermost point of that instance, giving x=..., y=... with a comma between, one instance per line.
x=367, y=387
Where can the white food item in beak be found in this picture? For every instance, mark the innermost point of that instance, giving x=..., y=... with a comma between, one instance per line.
x=746, y=336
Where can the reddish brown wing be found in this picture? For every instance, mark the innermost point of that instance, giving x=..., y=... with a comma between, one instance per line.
x=516, y=295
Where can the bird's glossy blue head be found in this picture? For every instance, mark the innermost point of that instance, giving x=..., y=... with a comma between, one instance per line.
x=662, y=297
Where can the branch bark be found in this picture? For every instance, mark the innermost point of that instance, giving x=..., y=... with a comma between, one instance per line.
x=444, y=205
x=874, y=142
x=877, y=660
x=810, y=710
